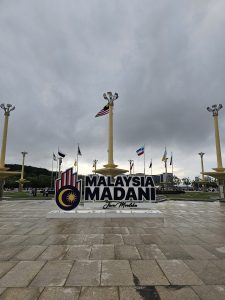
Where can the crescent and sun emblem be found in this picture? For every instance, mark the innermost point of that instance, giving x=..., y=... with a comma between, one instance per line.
x=68, y=197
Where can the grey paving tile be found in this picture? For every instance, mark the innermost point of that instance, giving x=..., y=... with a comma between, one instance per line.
x=115, y=239
x=216, y=249
x=176, y=293
x=116, y=273
x=21, y=293
x=29, y=253
x=92, y=239
x=14, y=240
x=7, y=230
x=126, y=252
x=150, y=252
x=132, y=239
x=99, y=293
x=60, y=293
x=197, y=252
x=120, y=230
x=102, y=252
x=210, y=292
x=78, y=252
x=38, y=230
x=150, y=239
x=207, y=271
x=8, y=252
x=21, y=274
x=147, y=272
x=75, y=239
x=56, y=239
x=138, y=230
x=138, y=293
x=34, y=240
x=53, y=252
x=220, y=263
x=2, y=290
x=85, y=273
x=174, y=252
x=4, y=237
x=5, y=266
x=54, y=273
x=178, y=273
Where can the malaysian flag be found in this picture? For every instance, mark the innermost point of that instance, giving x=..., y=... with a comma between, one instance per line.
x=103, y=112
x=140, y=151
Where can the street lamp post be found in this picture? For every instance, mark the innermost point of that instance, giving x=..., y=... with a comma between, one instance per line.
x=215, y=110
x=4, y=172
x=22, y=180
x=219, y=171
x=131, y=162
x=110, y=98
x=201, y=154
x=110, y=169
x=95, y=165
x=7, y=109
x=202, y=165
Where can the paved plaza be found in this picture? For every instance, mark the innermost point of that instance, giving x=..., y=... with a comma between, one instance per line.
x=180, y=257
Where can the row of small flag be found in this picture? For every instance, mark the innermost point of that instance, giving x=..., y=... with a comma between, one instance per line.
x=62, y=155
x=141, y=151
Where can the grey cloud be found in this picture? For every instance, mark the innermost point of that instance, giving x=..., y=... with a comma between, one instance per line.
x=165, y=59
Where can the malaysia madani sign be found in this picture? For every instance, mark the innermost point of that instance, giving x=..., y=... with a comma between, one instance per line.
x=125, y=190
x=122, y=188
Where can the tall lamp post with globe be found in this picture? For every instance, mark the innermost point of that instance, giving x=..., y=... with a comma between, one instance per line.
x=110, y=169
x=22, y=180
x=202, y=181
x=4, y=172
x=219, y=171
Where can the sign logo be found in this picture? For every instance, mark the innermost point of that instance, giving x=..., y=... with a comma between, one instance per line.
x=68, y=197
x=67, y=190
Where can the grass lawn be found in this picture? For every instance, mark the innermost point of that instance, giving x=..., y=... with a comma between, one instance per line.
x=194, y=196
x=25, y=195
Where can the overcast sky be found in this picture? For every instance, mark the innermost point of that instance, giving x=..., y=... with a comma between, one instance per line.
x=164, y=58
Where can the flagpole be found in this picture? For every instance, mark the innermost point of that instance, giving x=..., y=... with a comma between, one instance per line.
x=52, y=172
x=60, y=162
x=144, y=159
x=166, y=170
x=77, y=160
x=151, y=166
x=57, y=166
x=172, y=167
x=130, y=161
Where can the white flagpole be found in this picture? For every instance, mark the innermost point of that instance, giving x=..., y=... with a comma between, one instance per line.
x=52, y=172
x=57, y=174
x=77, y=162
x=172, y=166
x=144, y=159
x=151, y=166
